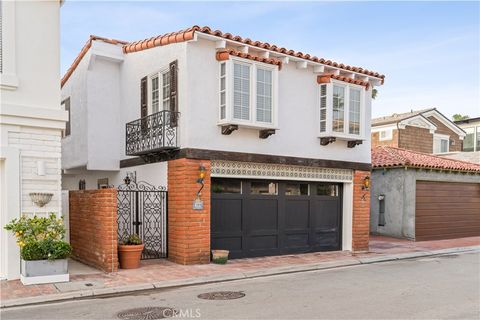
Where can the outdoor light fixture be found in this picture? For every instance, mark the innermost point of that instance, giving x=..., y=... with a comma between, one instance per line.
x=127, y=180
x=366, y=183
x=40, y=199
x=198, y=203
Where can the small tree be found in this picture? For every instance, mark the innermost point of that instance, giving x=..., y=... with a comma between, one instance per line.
x=459, y=117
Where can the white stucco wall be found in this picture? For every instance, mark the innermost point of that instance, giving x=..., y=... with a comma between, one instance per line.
x=297, y=120
x=110, y=107
x=30, y=116
x=155, y=174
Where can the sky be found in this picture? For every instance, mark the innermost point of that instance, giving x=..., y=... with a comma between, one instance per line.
x=428, y=51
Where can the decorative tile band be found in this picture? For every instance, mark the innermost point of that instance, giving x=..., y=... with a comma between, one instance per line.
x=237, y=169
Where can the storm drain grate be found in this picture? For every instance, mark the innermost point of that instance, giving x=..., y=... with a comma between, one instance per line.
x=222, y=295
x=147, y=313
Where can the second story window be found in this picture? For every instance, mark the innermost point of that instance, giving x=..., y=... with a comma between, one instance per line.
x=159, y=88
x=341, y=110
x=247, y=93
x=441, y=143
x=66, y=107
x=385, y=135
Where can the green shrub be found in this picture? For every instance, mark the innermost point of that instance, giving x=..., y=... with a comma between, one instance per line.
x=46, y=249
x=132, y=239
x=40, y=238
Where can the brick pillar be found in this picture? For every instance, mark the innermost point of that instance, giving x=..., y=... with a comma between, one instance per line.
x=361, y=213
x=93, y=227
x=188, y=229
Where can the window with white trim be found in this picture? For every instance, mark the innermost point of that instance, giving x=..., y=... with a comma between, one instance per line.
x=247, y=93
x=386, y=134
x=441, y=143
x=341, y=110
x=159, y=91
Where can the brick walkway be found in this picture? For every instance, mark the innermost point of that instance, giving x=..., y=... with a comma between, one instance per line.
x=163, y=270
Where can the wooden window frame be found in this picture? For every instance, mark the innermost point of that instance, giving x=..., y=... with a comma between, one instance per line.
x=345, y=134
x=252, y=122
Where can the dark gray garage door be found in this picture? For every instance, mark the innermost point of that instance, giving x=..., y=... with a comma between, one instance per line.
x=258, y=218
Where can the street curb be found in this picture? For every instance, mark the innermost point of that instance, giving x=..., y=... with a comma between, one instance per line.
x=102, y=292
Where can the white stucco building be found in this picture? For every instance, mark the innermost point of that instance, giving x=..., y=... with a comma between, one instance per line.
x=231, y=103
x=31, y=119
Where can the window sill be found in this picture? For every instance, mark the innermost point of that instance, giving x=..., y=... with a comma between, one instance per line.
x=8, y=82
x=248, y=125
x=341, y=136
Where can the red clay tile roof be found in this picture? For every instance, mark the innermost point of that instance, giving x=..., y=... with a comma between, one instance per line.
x=388, y=157
x=249, y=56
x=82, y=53
x=325, y=79
x=187, y=34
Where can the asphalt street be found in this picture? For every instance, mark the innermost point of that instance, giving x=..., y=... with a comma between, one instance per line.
x=440, y=287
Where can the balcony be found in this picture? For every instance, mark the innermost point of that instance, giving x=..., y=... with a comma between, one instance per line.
x=152, y=134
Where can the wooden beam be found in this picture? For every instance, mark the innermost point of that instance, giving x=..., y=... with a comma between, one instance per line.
x=250, y=157
x=265, y=54
x=243, y=49
x=302, y=64
x=220, y=44
x=318, y=69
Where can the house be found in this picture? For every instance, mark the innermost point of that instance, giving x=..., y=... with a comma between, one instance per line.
x=31, y=118
x=263, y=150
x=471, y=144
x=420, y=196
x=427, y=131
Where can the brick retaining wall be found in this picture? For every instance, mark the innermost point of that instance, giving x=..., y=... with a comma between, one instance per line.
x=93, y=227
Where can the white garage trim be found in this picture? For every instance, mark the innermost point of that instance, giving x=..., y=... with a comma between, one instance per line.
x=250, y=170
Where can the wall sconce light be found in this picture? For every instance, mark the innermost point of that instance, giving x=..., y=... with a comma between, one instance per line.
x=40, y=198
x=366, y=183
x=198, y=203
x=127, y=180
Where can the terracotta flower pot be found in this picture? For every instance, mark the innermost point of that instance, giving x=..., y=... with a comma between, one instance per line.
x=129, y=256
x=220, y=256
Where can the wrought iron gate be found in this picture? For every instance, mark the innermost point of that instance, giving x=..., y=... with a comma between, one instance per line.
x=142, y=209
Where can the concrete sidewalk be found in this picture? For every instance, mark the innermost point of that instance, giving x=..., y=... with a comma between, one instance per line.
x=160, y=274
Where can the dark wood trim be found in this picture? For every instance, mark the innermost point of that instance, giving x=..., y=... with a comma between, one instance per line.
x=353, y=143
x=248, y=157
x=228, y=129
x=327, y=140
x=264, y=134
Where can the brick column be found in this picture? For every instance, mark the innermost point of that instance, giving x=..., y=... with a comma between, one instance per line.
x=188, y=229
x=93, y=227
x=361, y=213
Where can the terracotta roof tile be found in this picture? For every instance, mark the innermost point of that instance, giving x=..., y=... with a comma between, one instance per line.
x=223, y=55
x=397, y=117
x=325, y=78
x=388, y=157
x=188, y=34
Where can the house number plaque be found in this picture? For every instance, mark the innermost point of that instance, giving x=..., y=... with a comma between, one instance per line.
x=197, y=204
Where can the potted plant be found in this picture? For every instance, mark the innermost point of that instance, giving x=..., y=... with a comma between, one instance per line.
x=43, y=250
x=220, y=256
x=130, y=252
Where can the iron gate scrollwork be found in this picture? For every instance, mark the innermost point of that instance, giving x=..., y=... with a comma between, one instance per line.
x=142, y=209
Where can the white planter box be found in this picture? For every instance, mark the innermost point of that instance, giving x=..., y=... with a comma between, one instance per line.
x=44, y=271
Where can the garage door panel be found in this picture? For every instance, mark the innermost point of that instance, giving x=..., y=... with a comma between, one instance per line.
x=327, y=239
x=445, y=210
x=297, y=214
x=227, y=215
x=326, y=214
x=300, y=240
x=265, y=242
x=276, y=220
x=263, y=215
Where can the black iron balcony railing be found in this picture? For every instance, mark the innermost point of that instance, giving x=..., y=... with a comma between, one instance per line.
x=154, y=133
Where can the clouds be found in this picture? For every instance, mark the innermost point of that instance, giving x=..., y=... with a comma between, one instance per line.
x=428, y=51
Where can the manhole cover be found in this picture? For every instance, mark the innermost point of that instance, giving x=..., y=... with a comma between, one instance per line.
x=222, y=295
x=147, y=313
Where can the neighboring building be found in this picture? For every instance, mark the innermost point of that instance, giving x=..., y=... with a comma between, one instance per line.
x=423, y=197
x=471, y=143
x=425, y=130
x=472, y=129
x=31, y=119
x=284, y=137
